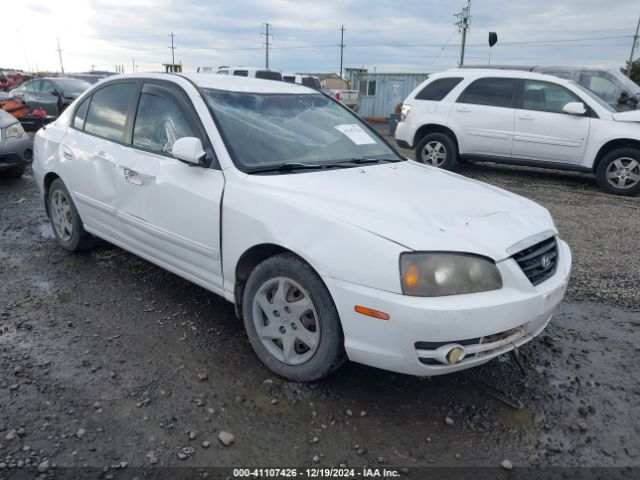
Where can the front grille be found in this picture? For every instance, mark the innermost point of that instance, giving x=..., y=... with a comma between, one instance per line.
x=539, y=261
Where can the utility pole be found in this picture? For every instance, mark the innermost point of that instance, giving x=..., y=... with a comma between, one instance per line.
x=633, y=47
x=267, y=36
x=463, y=26
x=173, y=49
x=60, y=56
x=133, y=65
x=341, y=48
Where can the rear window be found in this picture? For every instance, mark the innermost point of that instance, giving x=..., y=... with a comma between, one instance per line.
x=241, y=73
x=289, y=79
x=494, y=92
x=267, y=75
x=438, y=89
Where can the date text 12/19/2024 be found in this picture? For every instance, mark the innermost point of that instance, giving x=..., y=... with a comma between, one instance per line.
x=277, y=473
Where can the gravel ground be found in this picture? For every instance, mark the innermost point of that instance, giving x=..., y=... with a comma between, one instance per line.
x=109, y=361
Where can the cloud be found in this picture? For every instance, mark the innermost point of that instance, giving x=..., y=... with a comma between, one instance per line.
x=412, y=35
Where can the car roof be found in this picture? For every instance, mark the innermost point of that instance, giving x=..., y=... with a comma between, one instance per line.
x=492, y=72
x=221, y=82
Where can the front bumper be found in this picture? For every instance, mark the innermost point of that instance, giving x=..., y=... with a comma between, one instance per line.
x=16, y=152
x=421, y=331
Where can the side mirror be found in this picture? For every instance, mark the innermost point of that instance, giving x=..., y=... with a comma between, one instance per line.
x=189, y=150
x=55, y=92
x=574, y=108
x=623, y=98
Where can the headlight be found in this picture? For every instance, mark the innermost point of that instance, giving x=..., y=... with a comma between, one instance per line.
x=439, y=274
x=14, y=130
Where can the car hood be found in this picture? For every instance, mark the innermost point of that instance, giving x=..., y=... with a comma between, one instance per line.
x=416, y=206
x=628, y=116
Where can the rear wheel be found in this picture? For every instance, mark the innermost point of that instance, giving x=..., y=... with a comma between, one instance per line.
x=291, y=320
x=619, y=172
x=438, y=150
x=67, y=226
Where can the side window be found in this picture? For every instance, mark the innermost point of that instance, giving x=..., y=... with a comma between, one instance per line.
x=107, y=113
x=495, y=92
x=545, y=96
x=160, y=121
x=601, y=86
x=438, y=89
x=47, y=87
x=81, y=114
x=241, y=73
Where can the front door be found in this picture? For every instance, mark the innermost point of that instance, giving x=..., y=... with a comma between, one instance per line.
x=167, y=209
x=543, y=131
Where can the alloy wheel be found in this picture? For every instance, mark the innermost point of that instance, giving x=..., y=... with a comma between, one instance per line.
x=434, y=153
x=624, y=173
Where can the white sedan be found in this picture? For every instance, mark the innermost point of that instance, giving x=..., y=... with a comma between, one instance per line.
x=330, y=244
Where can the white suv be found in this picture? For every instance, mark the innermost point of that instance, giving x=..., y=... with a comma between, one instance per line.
x=521, y=118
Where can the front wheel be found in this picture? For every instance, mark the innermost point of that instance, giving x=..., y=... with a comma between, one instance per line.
x=619, y=172
x=438, y=150
x=291, y=320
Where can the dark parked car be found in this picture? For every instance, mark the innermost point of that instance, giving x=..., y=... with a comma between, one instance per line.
x=53, y=94
x=16, y=148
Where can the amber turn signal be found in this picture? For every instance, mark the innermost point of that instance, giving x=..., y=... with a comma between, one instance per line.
x=412, y=276
x=370, y=312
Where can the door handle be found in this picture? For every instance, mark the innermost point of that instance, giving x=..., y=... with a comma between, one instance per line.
x=132, y=177
x=463, y=109
x=67, y=153
x=526, y=117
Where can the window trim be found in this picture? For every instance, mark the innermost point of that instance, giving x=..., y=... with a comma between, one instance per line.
x=180, y=94
x=514, y=96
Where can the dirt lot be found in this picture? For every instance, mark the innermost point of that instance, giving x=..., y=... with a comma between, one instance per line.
x=108, y=361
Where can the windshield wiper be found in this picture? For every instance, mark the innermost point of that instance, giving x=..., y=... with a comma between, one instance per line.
x=366, y=160
x=291, y=166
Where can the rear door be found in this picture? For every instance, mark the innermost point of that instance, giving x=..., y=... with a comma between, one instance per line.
x=483, y=117
x=89, y=152
x=542, y=130
x=167, y=209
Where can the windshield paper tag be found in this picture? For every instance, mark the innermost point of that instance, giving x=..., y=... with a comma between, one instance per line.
x=355, y=133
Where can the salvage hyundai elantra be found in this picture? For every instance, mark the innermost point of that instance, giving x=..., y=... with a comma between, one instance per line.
x=330, y=244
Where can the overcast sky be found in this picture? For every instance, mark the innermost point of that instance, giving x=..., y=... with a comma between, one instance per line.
x=386, y=35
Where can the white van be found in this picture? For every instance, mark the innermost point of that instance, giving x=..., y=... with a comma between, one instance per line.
x=252, y=72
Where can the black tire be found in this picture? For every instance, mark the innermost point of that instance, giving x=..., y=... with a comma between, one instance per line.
x=15, y=172
x=443, y=144
x=78, y=239
x=329, y=353
x=628, y=159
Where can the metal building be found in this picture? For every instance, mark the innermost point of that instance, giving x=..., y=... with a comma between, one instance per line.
x=379, y=93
